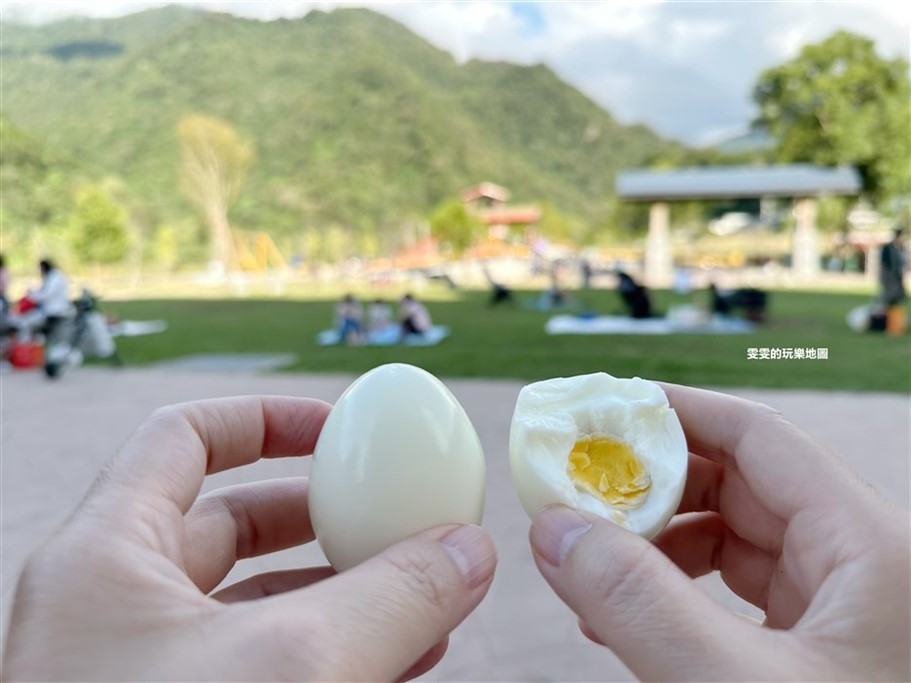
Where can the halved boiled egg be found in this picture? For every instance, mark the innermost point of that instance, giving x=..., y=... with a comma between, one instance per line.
x=613, y=447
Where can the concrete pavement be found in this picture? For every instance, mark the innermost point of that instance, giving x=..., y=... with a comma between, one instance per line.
x=55, y=437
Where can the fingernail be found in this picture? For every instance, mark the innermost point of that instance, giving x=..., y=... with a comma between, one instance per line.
x=555, y=531
x=472, y=552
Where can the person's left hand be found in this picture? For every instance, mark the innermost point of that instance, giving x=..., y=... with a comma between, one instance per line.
x=122, y=591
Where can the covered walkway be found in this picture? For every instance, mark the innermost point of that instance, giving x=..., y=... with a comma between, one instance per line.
x=804, y=183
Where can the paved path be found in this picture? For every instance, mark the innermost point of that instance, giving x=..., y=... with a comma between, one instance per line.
x=55, y=436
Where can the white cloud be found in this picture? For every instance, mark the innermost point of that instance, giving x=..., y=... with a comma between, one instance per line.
x=40, y=12
x=685, y=68
x=481, y=30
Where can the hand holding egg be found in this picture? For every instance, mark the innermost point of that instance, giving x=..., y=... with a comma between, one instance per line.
x=790, y=527
x=397, y=455
x=610, y=446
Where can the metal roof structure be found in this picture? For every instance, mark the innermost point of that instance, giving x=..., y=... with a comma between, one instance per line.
x=738, y=182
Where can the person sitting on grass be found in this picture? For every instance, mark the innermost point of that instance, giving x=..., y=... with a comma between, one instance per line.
x=379, y=315
x=413, y=316
x=721, y=304
x=556, y=294
x=51, y=302
x=500, y=293
x=349, y=320
x=635, y=296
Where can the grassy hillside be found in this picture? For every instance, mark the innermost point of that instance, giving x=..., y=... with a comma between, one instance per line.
x=356, y=121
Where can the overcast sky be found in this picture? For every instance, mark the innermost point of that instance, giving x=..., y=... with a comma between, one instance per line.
x=684, y=68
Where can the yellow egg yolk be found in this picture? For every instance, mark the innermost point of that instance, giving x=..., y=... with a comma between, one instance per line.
x=610, y=470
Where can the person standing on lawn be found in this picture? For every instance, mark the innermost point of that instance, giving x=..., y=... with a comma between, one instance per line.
x=893, y=261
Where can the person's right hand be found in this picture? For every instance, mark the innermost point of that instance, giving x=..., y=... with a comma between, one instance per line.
x=791, y=529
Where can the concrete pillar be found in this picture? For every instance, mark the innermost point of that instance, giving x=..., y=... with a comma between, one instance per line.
x=873, y=254
x=767, y=209
x=805, y=247
x=659, y=266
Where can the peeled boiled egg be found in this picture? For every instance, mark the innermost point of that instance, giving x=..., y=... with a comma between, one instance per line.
x=613, y=447
x=396, y=455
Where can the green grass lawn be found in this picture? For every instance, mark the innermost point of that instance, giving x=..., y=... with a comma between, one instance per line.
x=510, y=342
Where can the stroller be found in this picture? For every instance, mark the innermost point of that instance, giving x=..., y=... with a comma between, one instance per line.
x=68, y=341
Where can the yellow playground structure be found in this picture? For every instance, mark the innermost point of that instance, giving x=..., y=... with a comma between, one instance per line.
x=256, y=252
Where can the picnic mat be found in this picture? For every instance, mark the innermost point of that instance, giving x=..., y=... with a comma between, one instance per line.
x=389, y=336
x=619, y=324
x=136, y=328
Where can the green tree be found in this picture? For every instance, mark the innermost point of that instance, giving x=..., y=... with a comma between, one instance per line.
x=832, y=213
x=621, y=223
x=164, y=247
x=214, y=165
x=335, y=244
x=99, y=227
x=553, y=224
x=452, y=224
x=838, y=102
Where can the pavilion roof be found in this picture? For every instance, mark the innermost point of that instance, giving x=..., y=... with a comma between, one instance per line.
x=741, y=182
x=485, y=189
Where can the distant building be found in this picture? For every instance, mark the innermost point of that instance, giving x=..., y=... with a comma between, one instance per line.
x=484, y=196
x=423, y=253
x=511, y=215
x=488, y=201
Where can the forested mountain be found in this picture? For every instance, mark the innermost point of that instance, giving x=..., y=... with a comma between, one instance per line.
x=356, y=122
x=35, y=181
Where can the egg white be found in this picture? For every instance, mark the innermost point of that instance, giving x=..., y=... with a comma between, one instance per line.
x=552, y=415
x=396, y=455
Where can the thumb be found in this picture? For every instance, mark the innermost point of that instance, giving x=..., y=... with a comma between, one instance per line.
x=383, y=615
x=632, y=597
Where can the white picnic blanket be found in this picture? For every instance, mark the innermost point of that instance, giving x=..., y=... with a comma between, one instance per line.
x=136, y=328
x=619, y=324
